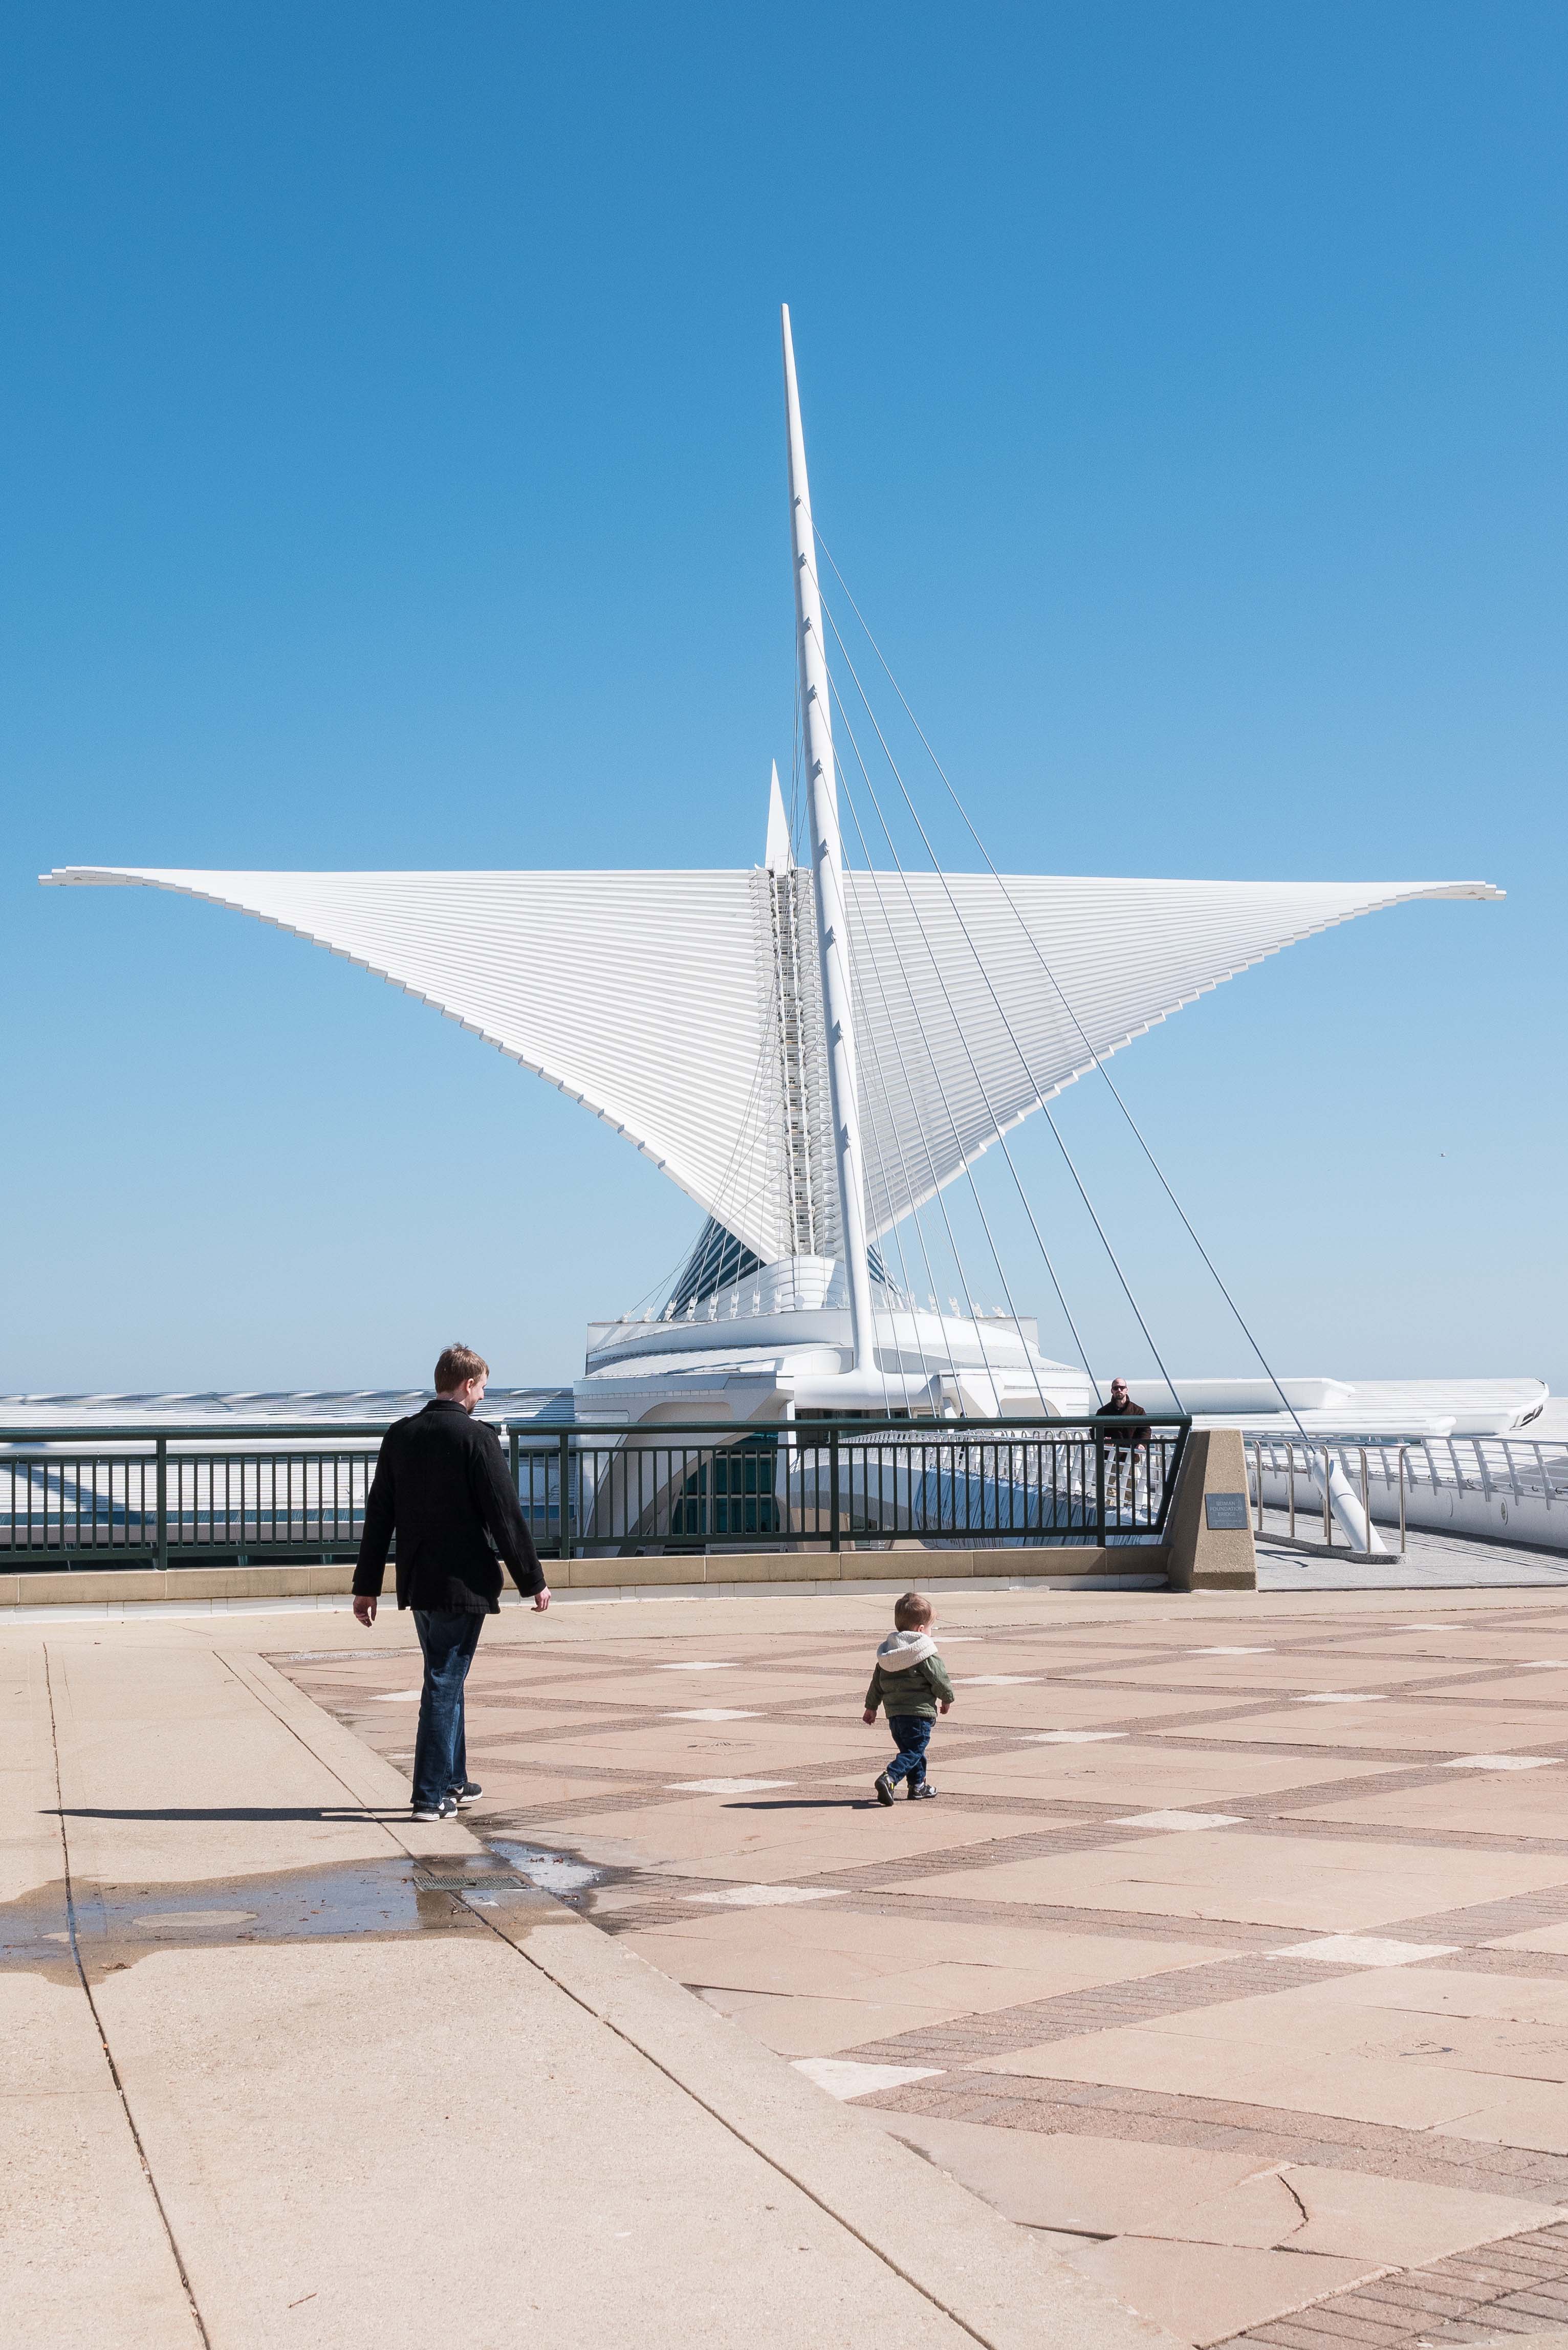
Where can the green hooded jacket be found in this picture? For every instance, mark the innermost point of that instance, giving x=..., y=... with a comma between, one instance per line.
x=909, y=1678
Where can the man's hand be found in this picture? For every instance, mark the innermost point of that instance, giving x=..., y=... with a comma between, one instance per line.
x=540, y=1600
x=867, y=1717
x=944, y=1702
x=364, y=1611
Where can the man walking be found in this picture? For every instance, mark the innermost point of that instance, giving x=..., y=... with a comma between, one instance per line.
x=441, y=1486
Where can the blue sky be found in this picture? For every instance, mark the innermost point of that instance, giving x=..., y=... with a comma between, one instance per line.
x=394, y=477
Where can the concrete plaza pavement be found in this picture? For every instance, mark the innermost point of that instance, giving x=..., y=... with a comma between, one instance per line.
x=1430, y=1561
x=280, y=2068
x=1226, y=1981
x=1231, y=1960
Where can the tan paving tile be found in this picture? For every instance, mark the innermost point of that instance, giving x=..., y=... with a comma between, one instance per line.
x=590, y=1652
x=373, y=1718
x=768, y=1836
x=810, y=2026
x=1259, y=2212
x=1514, y=1803
x=1531, y=2114
x=753, y=1950
x=1401, y=2223
x=685, y=1749
x=1453, y=1727
x=1526, y=1685
x=1553, y=1939
x=1461, y=1643
x=1459, y=2023
x=833, y=1951
x=1039, y=1654
x=1332, y=1885
x=509, y=1786
x=659, y=1692
x=1440, y=1991
x=878, y=1944
x=1089, y=2186
x=982, y=1988
x=1056, y=1704
x=1143, y=1774
x=1393, y=2223
x=1205, y=2293
x=1205, y=1670
x=1413, y=2050
x=535, y=1661
x=1165, y=2059
x=545, y=1680
x=1496, y=2049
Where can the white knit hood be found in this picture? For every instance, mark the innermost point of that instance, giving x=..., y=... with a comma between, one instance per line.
x=899, y=1650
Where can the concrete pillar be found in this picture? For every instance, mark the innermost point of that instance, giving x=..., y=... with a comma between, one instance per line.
x=1206, y=1555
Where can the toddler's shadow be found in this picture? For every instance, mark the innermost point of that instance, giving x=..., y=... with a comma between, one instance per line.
x=813, y=1804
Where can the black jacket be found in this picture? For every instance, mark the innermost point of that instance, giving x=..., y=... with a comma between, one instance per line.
x=441, y=1486
x=1127, y=1437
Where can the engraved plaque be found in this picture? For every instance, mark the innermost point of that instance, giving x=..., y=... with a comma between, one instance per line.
x=1225, y=1512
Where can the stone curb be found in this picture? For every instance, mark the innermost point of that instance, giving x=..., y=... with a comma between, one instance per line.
x=718, y=1574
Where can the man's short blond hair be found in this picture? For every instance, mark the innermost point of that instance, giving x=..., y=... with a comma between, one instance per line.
x=912, y=1610
x=454, y=1365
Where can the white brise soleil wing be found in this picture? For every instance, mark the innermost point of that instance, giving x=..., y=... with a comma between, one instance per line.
x=981, y=996
x=646, y=996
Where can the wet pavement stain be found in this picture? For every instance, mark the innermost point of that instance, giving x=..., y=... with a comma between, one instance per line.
x=116, y=1925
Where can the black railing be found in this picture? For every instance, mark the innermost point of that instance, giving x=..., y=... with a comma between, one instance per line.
x=121, y=1497
x=818, y=1484
x=125, y=1498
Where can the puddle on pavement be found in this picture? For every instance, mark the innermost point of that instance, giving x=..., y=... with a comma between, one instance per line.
x=562, y=1874
x=117, y=1924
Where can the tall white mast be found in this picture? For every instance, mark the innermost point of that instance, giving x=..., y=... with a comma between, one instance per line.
x=828, y=879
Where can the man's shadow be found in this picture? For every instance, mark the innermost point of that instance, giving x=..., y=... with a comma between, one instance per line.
x=235, y=1812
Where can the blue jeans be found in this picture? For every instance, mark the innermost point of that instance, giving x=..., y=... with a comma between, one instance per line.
x=449, y=1636
x=911, y=1735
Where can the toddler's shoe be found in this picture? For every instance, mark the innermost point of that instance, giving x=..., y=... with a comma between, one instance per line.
x=919, y=1795
x=884, y=1789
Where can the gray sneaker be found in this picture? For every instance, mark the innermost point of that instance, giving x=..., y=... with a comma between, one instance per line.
x=884, y=1789
x=445, y=1810
x=468, y=1793
x=921, y=1792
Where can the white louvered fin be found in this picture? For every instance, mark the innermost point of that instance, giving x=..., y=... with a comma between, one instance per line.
x=655, y=999
x=642, y=995
x=947, y=965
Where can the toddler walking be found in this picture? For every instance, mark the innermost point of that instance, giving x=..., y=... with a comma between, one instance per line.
x=910, y=1681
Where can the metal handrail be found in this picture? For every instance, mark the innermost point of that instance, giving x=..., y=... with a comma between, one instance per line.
x=343, y=1430
x=669, y=1487
x=298, y=1489
x=1328, y=1449
x=210, y=1432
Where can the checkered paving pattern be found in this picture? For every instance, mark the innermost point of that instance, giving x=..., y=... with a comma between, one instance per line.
x=1232, y=1957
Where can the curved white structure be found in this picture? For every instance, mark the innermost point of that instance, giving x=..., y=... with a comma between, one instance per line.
x=811, y=1054
x=653, y=998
